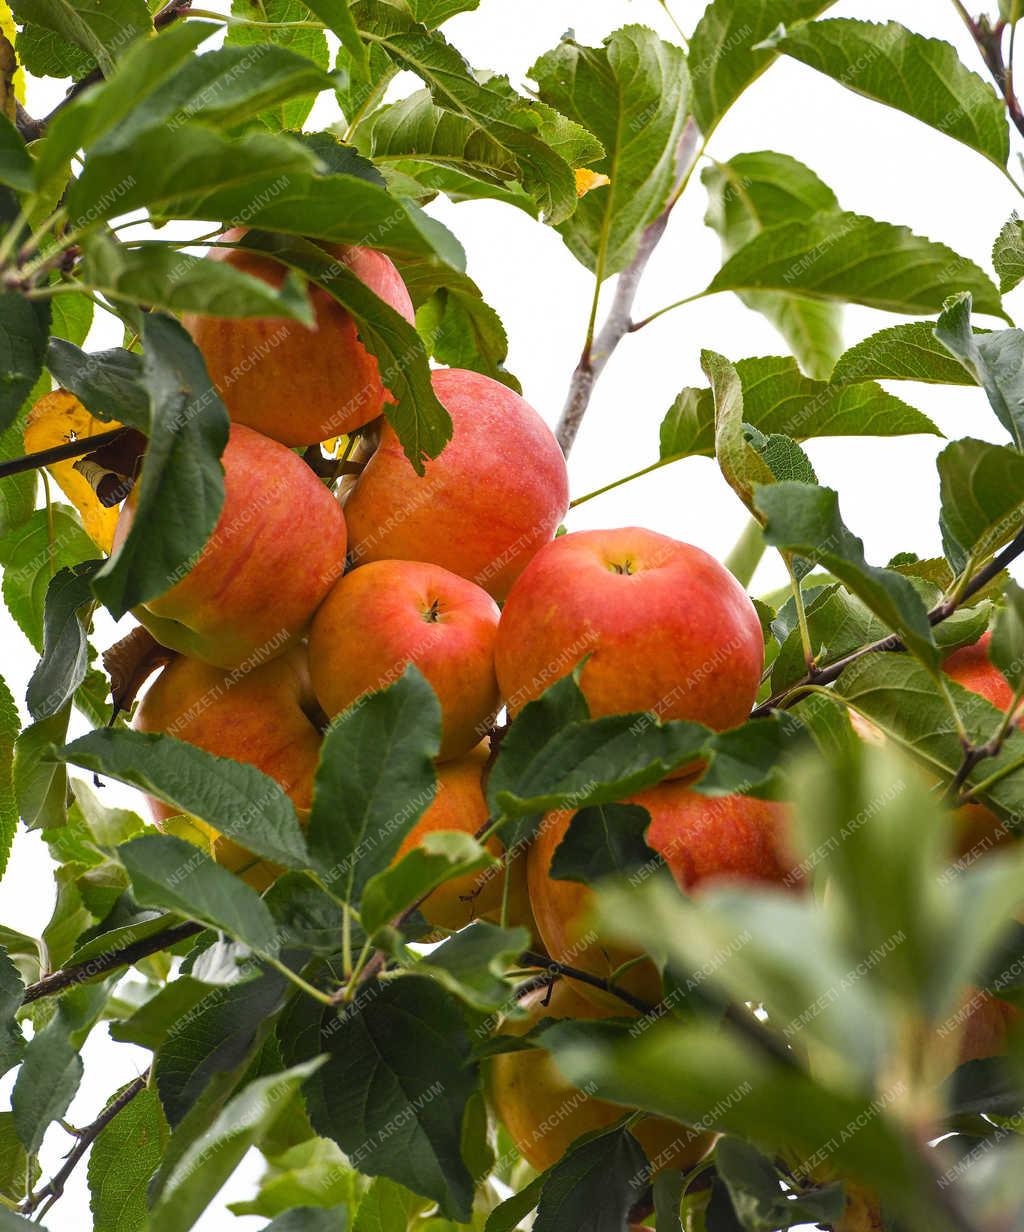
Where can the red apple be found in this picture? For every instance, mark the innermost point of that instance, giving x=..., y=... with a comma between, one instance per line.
x=263, y=716
x=460, y=805
x=666, y=628
x=298, y=385
x=486, y=505
x=275, y=552
x=390, y=613
x=700, y=838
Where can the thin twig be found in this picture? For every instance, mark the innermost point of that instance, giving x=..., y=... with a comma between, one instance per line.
x=53, y=1189
x=59, y=453
x=79, y=973
x=617, y=324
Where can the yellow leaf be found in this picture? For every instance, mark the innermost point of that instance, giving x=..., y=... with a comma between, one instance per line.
x=585, y=179
x=7, y=29
x=54, y=420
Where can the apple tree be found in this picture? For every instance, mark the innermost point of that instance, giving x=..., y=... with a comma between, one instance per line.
x=475, y=870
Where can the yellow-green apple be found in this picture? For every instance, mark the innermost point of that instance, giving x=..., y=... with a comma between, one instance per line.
x=277, y=548
x=662, y=625
x=460, y=805
x=486, y=505
x=390, y=613
x=264, y=716
x=296, y=384
x=544, y=1113
x=700, y=838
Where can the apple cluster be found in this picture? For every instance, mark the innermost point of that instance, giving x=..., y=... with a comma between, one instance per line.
x=303, y=602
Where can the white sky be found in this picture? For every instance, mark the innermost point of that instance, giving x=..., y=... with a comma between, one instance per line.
x=878, y=161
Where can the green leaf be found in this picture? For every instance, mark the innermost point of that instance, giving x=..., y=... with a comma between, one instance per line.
x=757, y=1196
x=899, y=696
x=422, y=424
x=309, y=1219
x=374, y=781
x=848, y=257
x=473, y=963
x=12, y=990
x=233, y=797
x=460, y=330
x=181, y=489
x=211, y=1159
x=312, y=1175
x=10, y=727
x=40, y=784
x=726, y=54
x=740, y=463
x=633, y=94
x=435, y=12
x=806, y=519
x=208, y=1046
x=18, y=1170
x=1008, y=254
x=72, y=317
x=32, y=555
x=18, y=492
x=161, y=276
x=982, y=508
x=173, y=875
x=440, y=857
x=15, y=160
x=1006, y=649
x=101, y=31
x=395, y=1087
x=337, y=17
x=778, y=398
x=24, y=328
x=109, y=384
x=65, y=658
x=47, y=1081
x=123, y=1158
x=602, y=841
x=492, y=108
x=922, y=77
x=156, y=1019
x=594, y=1186
x=305, y=41
x=996, y=361
x=909, y=352
x=508, y=1215
x=751, y=192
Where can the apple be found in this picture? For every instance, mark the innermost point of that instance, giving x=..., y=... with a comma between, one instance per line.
x=275, y=552
x=544, y=1114
x=264, y=716
x=977, y=828
x=390, y=613
x=662, y=625
x=460, y=805
x=486, y=505
x=699, y=837
x=296, y=384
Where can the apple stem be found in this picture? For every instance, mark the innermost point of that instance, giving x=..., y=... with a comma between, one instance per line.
x=617, y=324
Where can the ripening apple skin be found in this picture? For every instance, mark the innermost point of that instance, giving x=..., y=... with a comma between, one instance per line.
x=492, y=498
x=460, y=805
x=296, y=384
x=276, y=550
x=700, y=839
x=977, y=828
x=666, y=628
x=261, y=717
x=544, y=1114
x=393, y=612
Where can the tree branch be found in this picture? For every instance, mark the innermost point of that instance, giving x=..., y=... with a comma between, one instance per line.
x=617, y=324
x=59, y=453
x=53, y=1189
x=79, y=973
x=832, y=671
